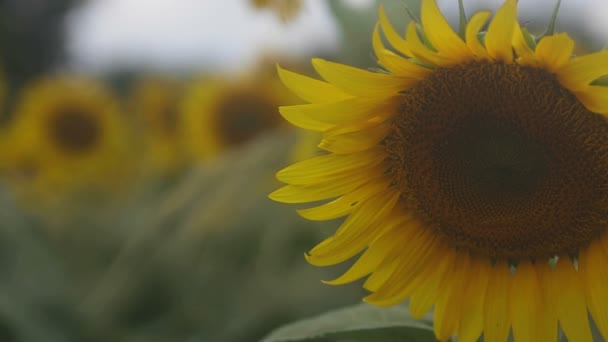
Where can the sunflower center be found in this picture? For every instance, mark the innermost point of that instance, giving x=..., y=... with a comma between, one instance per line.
x=74, y=131
x=242, y=117
x=501, y=160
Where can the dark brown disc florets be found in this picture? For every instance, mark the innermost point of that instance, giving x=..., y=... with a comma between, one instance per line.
x=74, y=131
x=502, y=160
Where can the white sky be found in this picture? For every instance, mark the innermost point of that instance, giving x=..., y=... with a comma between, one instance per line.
x=184, y=34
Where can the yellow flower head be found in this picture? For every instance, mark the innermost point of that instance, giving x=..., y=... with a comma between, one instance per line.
x=472, y=172
x=67, y=134
x=220, y=114
x=155, y=101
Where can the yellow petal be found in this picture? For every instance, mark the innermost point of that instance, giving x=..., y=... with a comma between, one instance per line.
x=370, y=259
x=428, y=285
x=571, y=304
x=447, y=309
x=420, y=51
x=396, y=41
x=345, y=204
x=357, y=232
x=594, y=276
x=525, y=54
x=595, y=98
x=321, y=191
x=359, y=140
x=554, y=52
x=360, y=82
x=309, y=89
x=394, y=282
x=397, y=65
x=471, y=316
x=303, y=121
x=343, y=112
x=546, y=322
x=496, y=307
x=477, y=21
x=581, y=71
x=440, y=33
x=330, y=166
x=526, y=302
x=500, y=32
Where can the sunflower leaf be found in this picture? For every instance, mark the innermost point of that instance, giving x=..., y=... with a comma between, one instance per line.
x=360, y=323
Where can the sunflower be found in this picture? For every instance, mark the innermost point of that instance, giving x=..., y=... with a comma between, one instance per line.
x=220, y=114
x=67, y=134
x=472, y=172
x=155, y=101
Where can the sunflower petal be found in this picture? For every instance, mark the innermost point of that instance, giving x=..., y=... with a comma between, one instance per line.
x=414, y=243
x=427, y=287
x=394, y=282
x=595, y=98
x=303, y=121
x=360, y=82
x=496, y=306
x=329, y=167
x=420, y=51
x=555, y=51
x=345, y=204
x=525, y=54
x=397, y=65
x=581, y=71
x=526, y=301
x=357, y=109
x=571, y=304
x=370, y=259
x=355, y=141
x=396, y=41
x=478, y=20
x=309, y=89
x=440, y=33
x=594, y=276
x=500, y=32
x=471, y=314
x=322, y=191
x=357, y=232
x=447, y=309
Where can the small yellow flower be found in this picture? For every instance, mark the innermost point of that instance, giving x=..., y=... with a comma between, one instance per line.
x=473, y=175
x=68, y=134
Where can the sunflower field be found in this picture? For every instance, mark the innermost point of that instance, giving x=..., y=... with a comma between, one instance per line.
x=303, y=170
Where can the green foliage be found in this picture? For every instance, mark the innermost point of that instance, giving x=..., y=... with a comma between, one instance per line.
x=360, y=323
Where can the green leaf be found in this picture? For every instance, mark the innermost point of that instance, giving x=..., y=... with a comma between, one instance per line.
x=358, y=323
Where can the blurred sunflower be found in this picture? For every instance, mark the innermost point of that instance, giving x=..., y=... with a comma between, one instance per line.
x=473, y=174
x=220, y=114
x=155, y=102
x=285, y=9
x=68, y=134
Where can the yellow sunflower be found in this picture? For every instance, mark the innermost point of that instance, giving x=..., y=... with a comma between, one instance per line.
x=67, y=134
x=472, y=172
x=155, y=101
x=219, y=114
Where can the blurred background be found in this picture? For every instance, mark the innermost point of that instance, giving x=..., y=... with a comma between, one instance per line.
x=138, y=142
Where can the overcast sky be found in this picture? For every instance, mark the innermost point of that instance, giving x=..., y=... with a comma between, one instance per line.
x=186, y=33
x=227, y=34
